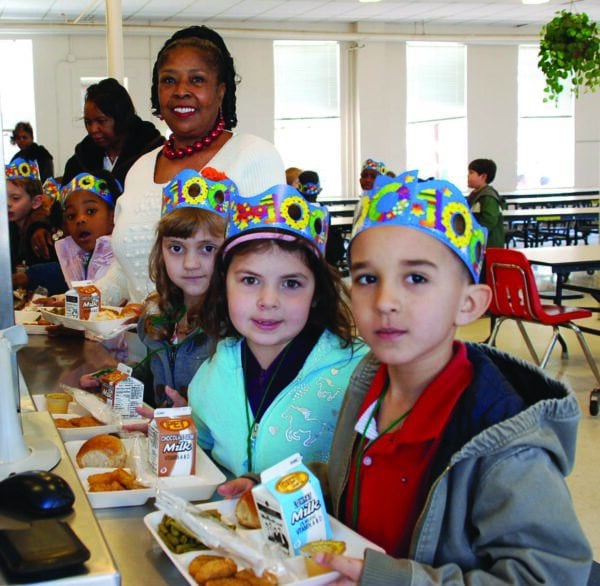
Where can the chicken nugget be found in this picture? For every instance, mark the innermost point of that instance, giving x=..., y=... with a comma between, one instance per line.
x=200, y=560
x=228, y=582
x=216, y=568
x=106, y=486
x=267, y=579
x=126, y=479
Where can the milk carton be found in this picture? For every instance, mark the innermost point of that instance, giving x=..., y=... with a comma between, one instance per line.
x=82, y=300
x=290, y=505
x=120, y=390
x=172, y=442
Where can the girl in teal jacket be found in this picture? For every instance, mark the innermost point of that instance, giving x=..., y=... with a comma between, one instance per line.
x=276, y=381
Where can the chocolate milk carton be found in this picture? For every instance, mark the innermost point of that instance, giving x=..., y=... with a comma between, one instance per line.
x=290, y=505
x=82, y=300
x=120, y=390
x=172, y=442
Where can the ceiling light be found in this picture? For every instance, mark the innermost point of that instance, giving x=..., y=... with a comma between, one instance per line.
x=368, y=1
x=535, y=1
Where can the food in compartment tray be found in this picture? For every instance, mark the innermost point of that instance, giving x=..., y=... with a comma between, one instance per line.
x=324, y=546
x=176, y=537
x=118, y=479
x=246, y=511
x=75, y=422
x=102, y=451
x=58, y=402
x=209, y=570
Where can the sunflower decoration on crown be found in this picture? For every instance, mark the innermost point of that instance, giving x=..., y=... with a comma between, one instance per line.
x=208, y=189
x=51, y=188
x=91, y=183
x=22, y=169
x=436, y=207
x=280, y=209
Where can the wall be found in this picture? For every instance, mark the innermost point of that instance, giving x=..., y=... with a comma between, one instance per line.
x=380, y=101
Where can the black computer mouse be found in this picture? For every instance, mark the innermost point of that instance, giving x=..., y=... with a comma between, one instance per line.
x=36, y=492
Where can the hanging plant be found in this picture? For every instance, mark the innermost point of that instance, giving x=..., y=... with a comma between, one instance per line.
x=569, y=51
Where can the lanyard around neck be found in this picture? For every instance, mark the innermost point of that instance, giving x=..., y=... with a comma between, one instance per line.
x=253, y=426
x=362, y=448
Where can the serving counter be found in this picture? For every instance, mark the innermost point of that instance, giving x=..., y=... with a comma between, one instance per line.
x=117, y=537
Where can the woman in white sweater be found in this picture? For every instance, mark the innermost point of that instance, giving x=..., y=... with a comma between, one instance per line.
x=193, y=91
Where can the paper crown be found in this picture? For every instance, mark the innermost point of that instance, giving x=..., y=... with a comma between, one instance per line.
x=372, y=165
x=51, y=188
x=278, y=212
x=435, y=207
x=208, y=190
x=22, y=169
x=93, y=184
x=308, y=184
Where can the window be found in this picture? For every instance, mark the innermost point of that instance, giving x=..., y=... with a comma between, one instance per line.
x=546, y=133
x=307, y=109
x=16, y=90
x=436, y=133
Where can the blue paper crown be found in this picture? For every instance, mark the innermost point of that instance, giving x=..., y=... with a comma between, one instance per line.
x=51, y=188
x=435, y=207
x=22, y=169
x=208, y=190
x=278, y=210
x=377, y=166
x=91, y=183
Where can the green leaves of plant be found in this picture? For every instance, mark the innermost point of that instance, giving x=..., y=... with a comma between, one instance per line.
x=569, y=49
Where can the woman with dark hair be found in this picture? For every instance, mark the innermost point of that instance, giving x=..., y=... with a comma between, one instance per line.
x=22, y=136
x=193, y=91
x=117, y=136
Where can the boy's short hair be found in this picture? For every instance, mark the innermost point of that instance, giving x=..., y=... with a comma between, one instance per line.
x=435, y=207
x=485, y=167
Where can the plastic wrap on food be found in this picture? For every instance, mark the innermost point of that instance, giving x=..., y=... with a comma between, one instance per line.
x=220, y=536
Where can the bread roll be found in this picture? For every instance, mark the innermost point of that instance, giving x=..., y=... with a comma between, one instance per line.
x=246, y=511
x=102, y=451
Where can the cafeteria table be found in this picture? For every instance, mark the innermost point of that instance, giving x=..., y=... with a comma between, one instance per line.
x=564, y=260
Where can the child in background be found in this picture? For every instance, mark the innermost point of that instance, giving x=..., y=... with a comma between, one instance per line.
x=369, y=172
x=191, y=229
x=274, y=385
x=310, y=187
x=30, y=269
x=24, y=194
x=486, y=203
x=291, y=176
x=88, y=201
x=450, y=456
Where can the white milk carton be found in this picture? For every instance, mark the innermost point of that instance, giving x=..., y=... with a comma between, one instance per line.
x=291, y=506
x=172, y=442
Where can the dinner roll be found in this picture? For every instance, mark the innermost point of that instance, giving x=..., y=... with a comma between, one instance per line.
x=102, y=451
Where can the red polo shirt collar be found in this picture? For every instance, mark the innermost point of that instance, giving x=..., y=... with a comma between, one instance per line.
x=395, y=480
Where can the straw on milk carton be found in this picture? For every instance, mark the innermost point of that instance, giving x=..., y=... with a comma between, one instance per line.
x=82, y=300
x=291, y=506
x=172, y=442
x=120, y=390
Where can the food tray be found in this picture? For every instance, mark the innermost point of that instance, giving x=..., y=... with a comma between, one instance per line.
x=199, y=487
x=355, y=545
x=103, y=328
x=81, y=433
x=27, y=318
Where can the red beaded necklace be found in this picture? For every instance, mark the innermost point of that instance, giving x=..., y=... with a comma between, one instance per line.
x=171, y=152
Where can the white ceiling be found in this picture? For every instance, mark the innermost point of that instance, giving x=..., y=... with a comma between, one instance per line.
x=510, y=13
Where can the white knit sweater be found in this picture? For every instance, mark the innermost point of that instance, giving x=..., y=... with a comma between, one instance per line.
x=251, y=162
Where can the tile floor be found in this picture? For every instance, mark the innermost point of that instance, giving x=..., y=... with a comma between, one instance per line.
x=575, y=371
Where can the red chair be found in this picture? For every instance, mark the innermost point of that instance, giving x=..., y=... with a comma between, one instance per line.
x=515, y=296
